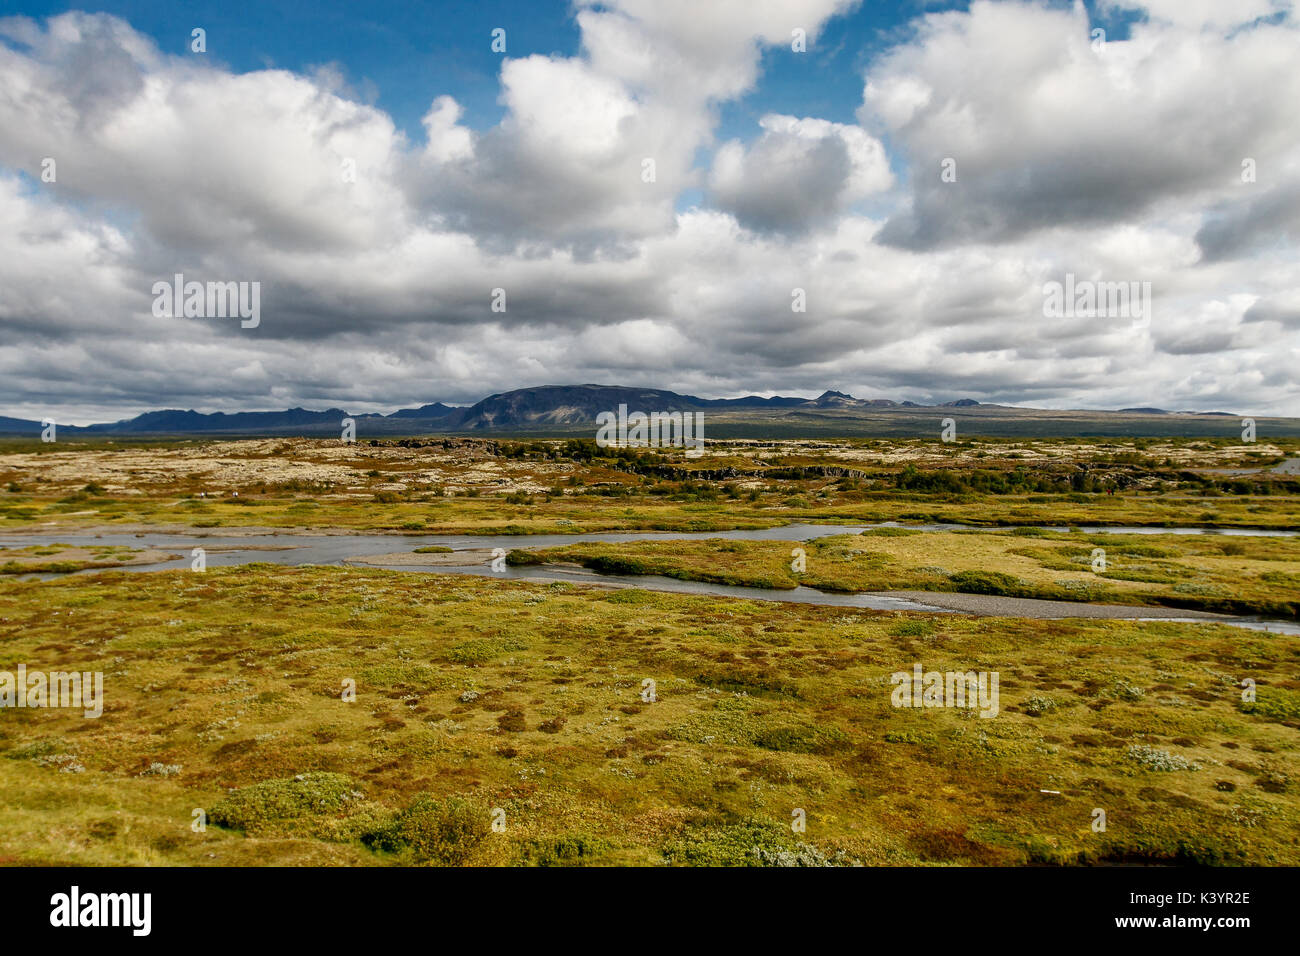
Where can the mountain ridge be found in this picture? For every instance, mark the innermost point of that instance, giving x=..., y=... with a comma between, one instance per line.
x=531, y=408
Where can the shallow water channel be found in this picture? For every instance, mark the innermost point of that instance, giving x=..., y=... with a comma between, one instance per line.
x=228, y=547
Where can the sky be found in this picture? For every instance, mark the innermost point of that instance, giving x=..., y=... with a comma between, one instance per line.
x=724, y=198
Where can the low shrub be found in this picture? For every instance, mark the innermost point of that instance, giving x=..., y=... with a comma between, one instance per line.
x=275, y=803
x=445, y=832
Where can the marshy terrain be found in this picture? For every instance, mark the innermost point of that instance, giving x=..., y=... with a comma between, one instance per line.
x=1219, y=573
x=527, y=722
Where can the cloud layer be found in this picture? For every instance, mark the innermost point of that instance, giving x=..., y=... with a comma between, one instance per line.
x=995, y=150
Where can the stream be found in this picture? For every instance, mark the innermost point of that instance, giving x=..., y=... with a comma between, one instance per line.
x=335, y=550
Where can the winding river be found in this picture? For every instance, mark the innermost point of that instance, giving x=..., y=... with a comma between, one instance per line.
x=230, y=546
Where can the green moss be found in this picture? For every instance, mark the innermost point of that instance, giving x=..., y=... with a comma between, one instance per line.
x=297, y=802
x=519, y=557
x=444, y=832
x=482, y=650
x=789, y=704
x=1274, y=703
x=405, y=675
x=802, y=739
x=988, y=582
x=568, y=849
x=750, y=841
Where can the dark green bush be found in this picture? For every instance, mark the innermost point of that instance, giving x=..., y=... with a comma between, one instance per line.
x=282, y=801
x=519, y=557
x=988, y=582
x=446, y=832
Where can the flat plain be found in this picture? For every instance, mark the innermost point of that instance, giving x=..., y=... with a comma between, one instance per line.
x=538, y=722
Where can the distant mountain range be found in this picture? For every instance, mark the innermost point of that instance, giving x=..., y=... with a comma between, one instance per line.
x=562, y=408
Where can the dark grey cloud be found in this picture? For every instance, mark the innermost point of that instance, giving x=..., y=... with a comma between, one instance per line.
x=1247, y=226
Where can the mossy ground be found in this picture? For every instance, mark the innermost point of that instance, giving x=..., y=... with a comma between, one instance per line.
x=1233, y=574
x=223, y=693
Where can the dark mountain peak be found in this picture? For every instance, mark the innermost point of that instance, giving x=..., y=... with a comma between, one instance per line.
x=435, y=410
x=961, y=403
x=173, y=422
x=833, y=399
x=570, y=405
